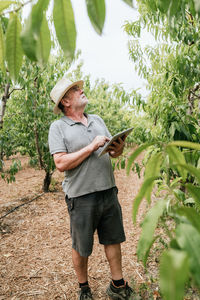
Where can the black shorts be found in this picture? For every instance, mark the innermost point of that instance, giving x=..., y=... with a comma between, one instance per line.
x=98, y=210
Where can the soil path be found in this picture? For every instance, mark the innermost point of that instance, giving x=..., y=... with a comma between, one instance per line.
x=36, y=246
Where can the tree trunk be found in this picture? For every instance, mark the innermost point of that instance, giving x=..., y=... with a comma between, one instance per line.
x=2, y=112
x=192, y=96
x=42, y=165
x=3, y=103
x=46, y=182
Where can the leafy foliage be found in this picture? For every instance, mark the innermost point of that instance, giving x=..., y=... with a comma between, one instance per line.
x=135, y=154
x=44, y=43
x=149, y=225
x=2, y=49
x=96, y=13
x=170, y=68
x=65, y=27
x=174, y=205
x=27, y=109
x=107, y=103
x=195, y=192
x=188, y=239
x=174, y=269
x=171, y=71
x=13, y=46
x=9, y=175
x=36, y=30
x=32, y=29
x=5, y=4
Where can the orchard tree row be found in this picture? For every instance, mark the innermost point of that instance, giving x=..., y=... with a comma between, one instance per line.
x=172, y=160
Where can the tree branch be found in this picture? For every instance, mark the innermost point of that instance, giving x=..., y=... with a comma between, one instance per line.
x=195, y=95
x=15, y=89
x=16, y=9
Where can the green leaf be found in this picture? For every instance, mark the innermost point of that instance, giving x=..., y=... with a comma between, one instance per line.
x=153, y=165
x=96, y=12
x=189, y=201
x=179, y=195
x=188, y=239
x=174, y=271
x=123, y=162
x=192, y=216
x=195, y=193
x=152, y=169
x=5, y=4
x=29, y=41
x=2, y=50
x=175, y=181
x=163, y=5
x=197, y=5
x=129, y=2
x=44, y=43
x=63, y=17
x=31, y=31
x=174, y=245
x=135, y=154
x=141, y=195
x=185, y=144
x=174, y=7
x=151, y=5
x=191, y=169
x=14, y=53
x=138, y=169
x=177, y=157
x=37, y=15
x=148, y=228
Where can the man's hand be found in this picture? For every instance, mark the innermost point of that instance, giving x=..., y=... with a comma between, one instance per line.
x=99, y=141
x=117, y=147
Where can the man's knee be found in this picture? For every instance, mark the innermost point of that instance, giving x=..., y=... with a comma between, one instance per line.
x=113, y=251
x=78, y=260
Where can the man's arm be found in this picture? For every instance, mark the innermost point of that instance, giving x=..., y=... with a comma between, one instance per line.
x=67, y=161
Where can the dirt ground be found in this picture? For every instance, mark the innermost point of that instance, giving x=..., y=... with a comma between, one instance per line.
x=36, y=245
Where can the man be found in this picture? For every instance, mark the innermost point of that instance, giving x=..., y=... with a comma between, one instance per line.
x=75, y=140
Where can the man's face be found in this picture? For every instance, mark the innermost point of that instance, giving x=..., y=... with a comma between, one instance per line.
x=76, y=97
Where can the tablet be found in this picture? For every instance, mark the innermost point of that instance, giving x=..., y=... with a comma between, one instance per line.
x=114, y=138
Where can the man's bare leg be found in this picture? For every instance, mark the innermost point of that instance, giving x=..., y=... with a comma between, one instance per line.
x=118, y=288
x=80, y=266
x=113, y=254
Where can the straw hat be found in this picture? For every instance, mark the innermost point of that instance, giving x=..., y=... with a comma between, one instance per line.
x=61, y=87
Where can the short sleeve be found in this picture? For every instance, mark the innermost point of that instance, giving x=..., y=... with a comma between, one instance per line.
x=55, y=139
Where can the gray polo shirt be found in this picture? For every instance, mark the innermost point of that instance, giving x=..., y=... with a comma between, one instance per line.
x=94, y=173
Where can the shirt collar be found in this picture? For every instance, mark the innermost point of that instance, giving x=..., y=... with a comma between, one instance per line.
x=68, y=120
x=72, y=122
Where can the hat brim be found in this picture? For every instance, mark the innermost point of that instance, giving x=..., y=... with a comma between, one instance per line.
x=56, y=109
